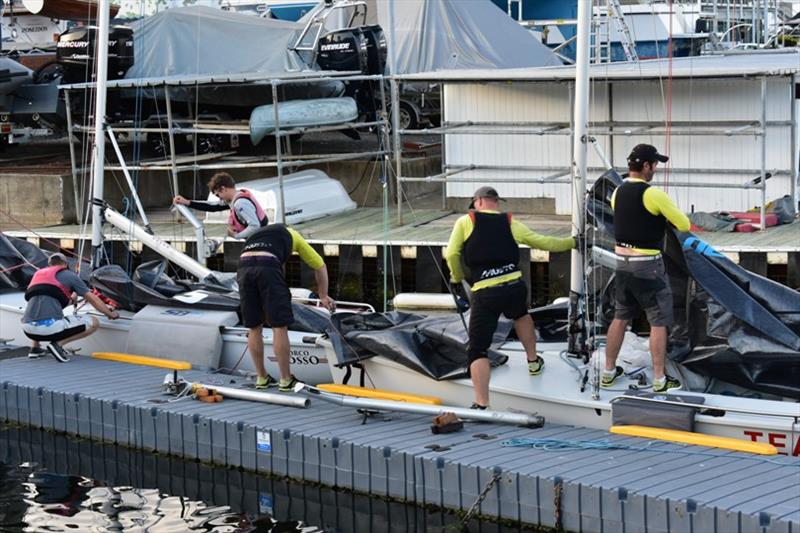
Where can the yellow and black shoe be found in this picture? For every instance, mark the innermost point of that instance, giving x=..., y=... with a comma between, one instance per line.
x=668, y=383
x=265, y=382
x=609, y=377
x=287, y=385
x=536, y=366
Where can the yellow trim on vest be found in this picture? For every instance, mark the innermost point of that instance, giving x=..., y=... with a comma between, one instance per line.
x=379, y=394
x=143, y=360
x=698, y=439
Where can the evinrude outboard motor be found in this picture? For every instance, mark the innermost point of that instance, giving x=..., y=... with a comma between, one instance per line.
x=76, y=51
x=356, y=49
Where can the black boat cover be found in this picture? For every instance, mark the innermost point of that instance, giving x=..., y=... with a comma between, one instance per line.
x=730, y=324
x=19, y=259
x=434, y=346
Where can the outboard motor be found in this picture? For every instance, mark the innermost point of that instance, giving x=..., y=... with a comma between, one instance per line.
x=76, y=51
x=360, y=49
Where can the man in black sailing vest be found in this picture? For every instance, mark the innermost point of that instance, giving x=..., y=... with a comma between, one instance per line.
x=265, y=297
x=641, y=214
x=488, y=243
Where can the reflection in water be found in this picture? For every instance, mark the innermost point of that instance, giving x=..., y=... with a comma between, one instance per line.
x=49, y=482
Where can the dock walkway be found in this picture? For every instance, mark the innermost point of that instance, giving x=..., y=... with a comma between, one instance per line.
x=665, y=488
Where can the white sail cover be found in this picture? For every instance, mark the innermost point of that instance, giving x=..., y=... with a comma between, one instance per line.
x=200, y=40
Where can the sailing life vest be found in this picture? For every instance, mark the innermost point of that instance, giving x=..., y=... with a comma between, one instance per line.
x=490, y=250
x=634, y=225
x=233, y=219
x=45, y=283
x=274, y=239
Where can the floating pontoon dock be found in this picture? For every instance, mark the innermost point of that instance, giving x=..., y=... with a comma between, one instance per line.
x=666, y=487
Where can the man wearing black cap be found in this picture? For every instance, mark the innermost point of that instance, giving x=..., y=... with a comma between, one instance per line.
x=641, y=213
x=488, y=243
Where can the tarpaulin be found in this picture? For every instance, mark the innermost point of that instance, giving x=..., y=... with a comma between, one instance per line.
x=730, y=324
x=434, y=346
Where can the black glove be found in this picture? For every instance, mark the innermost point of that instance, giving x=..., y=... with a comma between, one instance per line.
x=456, y=289
x=581, y=243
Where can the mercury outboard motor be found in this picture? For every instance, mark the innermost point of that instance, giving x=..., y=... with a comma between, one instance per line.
x=76, y=51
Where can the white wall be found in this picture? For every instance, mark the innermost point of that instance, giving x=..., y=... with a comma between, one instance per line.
x=698, y=100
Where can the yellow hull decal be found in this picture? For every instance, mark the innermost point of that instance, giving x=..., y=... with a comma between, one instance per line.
x=378, y=394
x=143, y=360
x=698, y=439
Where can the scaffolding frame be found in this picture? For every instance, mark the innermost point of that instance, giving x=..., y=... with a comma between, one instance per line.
x=610, y=129
x=280, y=161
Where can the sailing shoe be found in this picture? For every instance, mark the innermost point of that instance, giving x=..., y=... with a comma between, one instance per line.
x=287, y=385
x=58, y=352
x=609, y=377
x=478, y=406
x=265, y=382
x=536, y=366
x=36, y=353
x=667, y=384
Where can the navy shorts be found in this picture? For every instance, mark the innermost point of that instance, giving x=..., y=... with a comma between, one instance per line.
x=264, y=297
x=643, y=286
x=510, y=300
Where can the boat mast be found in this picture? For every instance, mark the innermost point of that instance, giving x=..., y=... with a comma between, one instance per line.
x=99, y=152
x=580, y=144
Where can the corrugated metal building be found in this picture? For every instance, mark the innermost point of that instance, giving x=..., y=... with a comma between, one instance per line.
x=511, y=128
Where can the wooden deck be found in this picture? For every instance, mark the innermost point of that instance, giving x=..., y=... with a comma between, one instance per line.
x=421, y=227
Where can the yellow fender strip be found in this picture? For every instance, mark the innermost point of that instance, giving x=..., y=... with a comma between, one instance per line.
x=378, y=394
x=142, y=360
x=699, y=439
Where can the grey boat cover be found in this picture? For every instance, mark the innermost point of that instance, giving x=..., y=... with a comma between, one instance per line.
x=448, y=34
x=198, y=40
x=730, y=324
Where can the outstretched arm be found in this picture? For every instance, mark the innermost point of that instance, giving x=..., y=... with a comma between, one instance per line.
x=524, y=235
x=321, y=276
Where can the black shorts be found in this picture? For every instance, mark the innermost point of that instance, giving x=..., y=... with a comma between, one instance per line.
x=264, y=297
x=510, y=300
x=643, y=286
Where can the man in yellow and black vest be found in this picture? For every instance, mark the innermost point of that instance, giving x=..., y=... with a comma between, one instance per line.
x=265, y=297
x=488, y=243
x=641, y=214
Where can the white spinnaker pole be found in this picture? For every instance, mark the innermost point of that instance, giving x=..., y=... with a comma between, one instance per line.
x=99, y=152
x=580, y=150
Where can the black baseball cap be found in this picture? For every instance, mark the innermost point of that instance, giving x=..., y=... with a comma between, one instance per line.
x=484, y=192
x=646, y=153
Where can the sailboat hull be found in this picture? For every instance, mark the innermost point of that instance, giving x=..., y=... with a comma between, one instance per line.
x=309, y=363
x=556, y=395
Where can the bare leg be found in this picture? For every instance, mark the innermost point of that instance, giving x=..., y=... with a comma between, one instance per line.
x=35, y=345
x=88, y=331
x=479, y=371
x=280, y=343
x=658, y=349
x=526, y=334
x=255, y=343
x=616, y=334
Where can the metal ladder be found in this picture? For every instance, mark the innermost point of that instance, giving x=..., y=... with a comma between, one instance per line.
x=601, y=49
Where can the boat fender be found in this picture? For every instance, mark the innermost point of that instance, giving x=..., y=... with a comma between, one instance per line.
x=446, y=423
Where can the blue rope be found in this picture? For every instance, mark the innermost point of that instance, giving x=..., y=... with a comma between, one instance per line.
x=605, y=444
